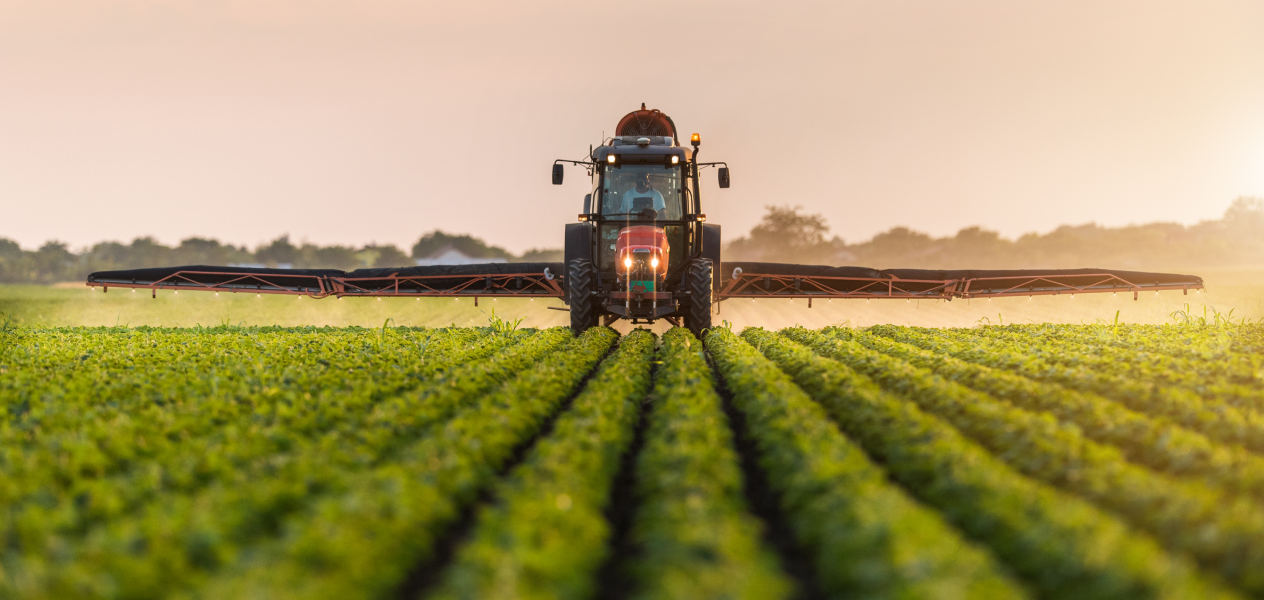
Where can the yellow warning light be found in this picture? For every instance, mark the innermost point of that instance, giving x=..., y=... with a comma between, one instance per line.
x=695, y=139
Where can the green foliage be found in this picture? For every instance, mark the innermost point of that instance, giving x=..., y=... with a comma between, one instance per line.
x=225, y=461
x=1142, y=438
x=1233, y=380
x=541, y=255
x=784, y=235
x=436, y=241
x=867, y=538
x=502, y=326
x=1061, y=546
x=1188, y=318
x=1160, y=388
x=545, y=535
x=695, y=536
x=1222, y=531
x=362, y=542
x=191, y=435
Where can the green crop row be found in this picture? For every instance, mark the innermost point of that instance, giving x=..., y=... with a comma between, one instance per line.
x=867, y=538
x=1225, y=344
x=545, y=535
x=1228, y=382
x=1218, y=346
x=214, y=439
x=1223, y=532
x=1219, y=423
x=1033, y=460
x=1062, y=546
x=71, y=377
x=692, y=530
x=81, y=418
x=364, y=542
x=1143, y=439
x=1250, y=339
x=182, y=538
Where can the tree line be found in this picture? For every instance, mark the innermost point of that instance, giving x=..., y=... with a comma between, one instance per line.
x=785, y=234
x=56, y=261
x=1234, y=241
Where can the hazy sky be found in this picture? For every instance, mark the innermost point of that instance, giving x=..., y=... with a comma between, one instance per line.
x=352, y=122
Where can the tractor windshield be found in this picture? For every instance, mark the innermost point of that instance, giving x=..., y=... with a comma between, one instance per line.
x=629, y=189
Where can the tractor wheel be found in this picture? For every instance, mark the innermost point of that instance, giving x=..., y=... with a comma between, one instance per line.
x=581, y=281
x=698, y=283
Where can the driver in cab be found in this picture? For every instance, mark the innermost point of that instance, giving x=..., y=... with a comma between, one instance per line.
x=642, y=190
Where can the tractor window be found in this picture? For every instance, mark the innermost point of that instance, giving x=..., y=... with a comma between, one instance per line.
x=631, y=188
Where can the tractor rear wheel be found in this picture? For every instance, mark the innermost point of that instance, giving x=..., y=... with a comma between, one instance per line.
x=581, y=284
x=698, y=283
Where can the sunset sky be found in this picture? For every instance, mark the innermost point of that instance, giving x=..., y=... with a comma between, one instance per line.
x=376, y=121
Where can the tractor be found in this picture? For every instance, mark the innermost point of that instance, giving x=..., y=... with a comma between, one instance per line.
x=642, y=249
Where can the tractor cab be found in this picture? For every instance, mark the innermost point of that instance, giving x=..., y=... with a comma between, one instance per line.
x=641, y=248
x=637, y=196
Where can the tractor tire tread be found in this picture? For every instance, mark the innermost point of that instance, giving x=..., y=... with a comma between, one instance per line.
x=580, y=281
x=698, y=313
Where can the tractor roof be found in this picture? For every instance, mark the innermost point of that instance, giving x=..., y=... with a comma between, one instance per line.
x=631, y=152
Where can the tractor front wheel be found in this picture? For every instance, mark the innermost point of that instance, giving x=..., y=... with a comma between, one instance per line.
x=581, y=283
x=698, y=283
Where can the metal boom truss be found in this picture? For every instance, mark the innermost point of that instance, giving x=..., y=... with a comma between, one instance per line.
x=544, y=283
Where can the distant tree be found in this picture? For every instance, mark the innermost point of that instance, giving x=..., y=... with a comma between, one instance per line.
x=330, y=257
x=55, y=261
x=14, y=266
x=542, y=255
x=279, y=252
x=785, y=235
x=146, y=252
x=468, y=245
x=202, y=251
x=896, y=247
x=10, y=250
x=383, y=256
x=973, y=246
x=110, y=255
x=1246, y=214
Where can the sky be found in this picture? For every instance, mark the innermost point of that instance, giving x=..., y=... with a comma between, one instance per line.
x=379, y=120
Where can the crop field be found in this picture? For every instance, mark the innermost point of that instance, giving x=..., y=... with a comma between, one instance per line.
x=1018, y=461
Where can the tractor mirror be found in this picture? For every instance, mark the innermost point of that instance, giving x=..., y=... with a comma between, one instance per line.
x=587, y=202
x=557, y=174
x=724, y=177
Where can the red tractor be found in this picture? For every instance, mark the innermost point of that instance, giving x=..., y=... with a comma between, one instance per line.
x=642, y=249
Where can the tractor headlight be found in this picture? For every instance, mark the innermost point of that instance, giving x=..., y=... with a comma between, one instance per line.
x=610, y=158
x=654, y=262
x=627, y=262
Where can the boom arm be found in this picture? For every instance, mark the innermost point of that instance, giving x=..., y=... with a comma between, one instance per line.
x=774, y=280
x=745, y=280
x=496, y=279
